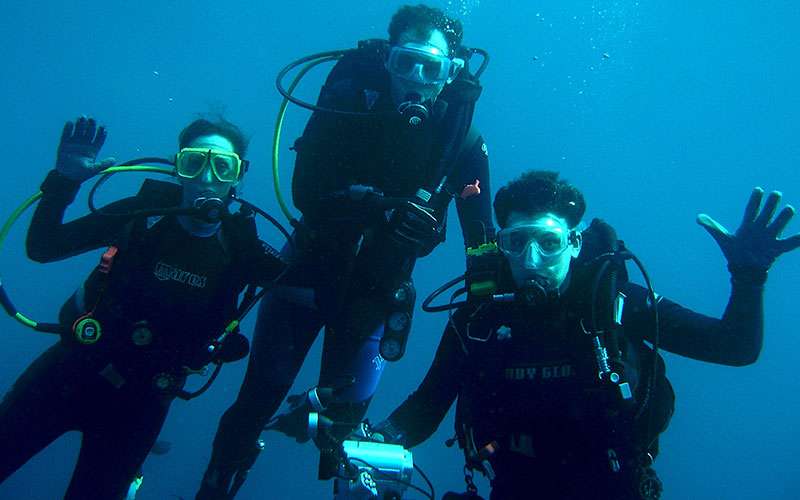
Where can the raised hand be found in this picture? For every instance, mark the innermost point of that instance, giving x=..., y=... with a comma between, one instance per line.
x=77, y=152
x=757, y=242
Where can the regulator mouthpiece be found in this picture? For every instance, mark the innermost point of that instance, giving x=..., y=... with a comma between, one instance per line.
x=210, y=209
x=536, y=291
x=413, y=110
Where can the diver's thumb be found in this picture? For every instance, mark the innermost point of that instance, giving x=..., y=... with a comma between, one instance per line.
x=105, y=163
x=714, y=228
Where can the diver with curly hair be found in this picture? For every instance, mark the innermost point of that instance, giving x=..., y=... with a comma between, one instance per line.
x=560, y=392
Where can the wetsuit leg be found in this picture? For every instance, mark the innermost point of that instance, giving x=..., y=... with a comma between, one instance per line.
x=285, y=330
x=38, y=408
x=351, y=352
x=117, y=437
x=350, y=356
x=353, y=362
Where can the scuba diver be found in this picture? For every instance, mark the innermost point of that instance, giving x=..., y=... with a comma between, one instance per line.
x=148, y=316
x=553, y=358
x=390, y=144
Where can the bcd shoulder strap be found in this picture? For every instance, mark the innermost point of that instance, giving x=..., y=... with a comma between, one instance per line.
x=473, y=134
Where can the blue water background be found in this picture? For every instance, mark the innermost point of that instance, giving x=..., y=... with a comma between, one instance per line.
x=657, y=110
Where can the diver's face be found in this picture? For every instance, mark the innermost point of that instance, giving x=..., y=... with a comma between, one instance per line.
x=402, y=87
x=206, y=185
x=539, y=248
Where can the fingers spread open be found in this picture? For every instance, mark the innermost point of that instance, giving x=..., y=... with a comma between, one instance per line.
x=781, y=221
x=773, y=199
x=91, y=129
x=100, y=138
x=66, y=134
x=80, y=128
x=751, y=210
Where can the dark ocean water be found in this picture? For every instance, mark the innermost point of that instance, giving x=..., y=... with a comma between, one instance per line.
x=657, y=110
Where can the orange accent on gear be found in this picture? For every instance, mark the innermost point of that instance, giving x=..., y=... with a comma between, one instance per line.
x=471, y=190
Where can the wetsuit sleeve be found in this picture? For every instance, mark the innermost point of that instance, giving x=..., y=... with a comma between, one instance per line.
x=735, y=339
x=50, y=239
x=475, y=211
x=420, y=415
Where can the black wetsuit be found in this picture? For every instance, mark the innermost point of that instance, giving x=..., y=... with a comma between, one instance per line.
x=183, y=289
x=532, y=387
x=345, y=256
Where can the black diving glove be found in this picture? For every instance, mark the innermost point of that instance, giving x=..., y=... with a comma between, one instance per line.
x=387, y=432
x=415, y=228
x=77, y=151
x=757, y=243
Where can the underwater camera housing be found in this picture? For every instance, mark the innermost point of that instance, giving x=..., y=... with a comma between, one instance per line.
x=373, y=470
x=366, y=468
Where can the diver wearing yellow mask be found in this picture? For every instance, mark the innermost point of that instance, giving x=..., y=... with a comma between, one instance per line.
x=148, y=316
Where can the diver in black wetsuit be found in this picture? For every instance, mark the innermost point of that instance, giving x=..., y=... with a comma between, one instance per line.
x=411, y=139
x=145, y=318
x=557, y=398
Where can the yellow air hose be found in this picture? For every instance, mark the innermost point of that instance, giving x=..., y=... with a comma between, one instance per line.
x=24, y=206
x=276, y=139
